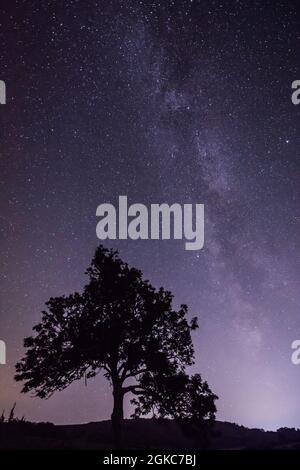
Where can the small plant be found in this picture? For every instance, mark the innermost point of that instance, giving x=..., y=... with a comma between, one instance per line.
x=11, y=417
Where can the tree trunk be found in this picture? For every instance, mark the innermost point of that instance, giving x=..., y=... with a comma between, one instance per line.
x=117, y=416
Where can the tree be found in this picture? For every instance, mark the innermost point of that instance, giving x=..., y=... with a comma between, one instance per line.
x=122, y=326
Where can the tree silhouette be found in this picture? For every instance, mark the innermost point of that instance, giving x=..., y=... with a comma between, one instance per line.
x=122, y=326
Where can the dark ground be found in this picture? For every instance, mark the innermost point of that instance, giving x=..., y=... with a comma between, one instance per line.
x=139, y=434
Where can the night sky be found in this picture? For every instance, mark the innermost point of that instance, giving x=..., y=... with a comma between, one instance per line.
x=170, y=101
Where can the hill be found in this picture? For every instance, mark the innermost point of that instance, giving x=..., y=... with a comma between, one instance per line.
x=139, y=434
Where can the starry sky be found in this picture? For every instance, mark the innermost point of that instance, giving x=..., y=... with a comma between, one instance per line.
x=162, y=101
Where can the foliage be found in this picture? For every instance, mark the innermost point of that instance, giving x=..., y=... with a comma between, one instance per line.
x=123, y=326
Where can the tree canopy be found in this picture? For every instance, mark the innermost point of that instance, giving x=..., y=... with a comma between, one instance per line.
x=127, y=329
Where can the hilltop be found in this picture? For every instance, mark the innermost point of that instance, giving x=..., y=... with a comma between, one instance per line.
x=139, y=434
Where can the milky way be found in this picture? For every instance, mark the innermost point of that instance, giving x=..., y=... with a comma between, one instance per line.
x=171, y=101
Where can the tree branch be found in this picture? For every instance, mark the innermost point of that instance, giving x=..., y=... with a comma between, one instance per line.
x=141, y=371
x=133, y=389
